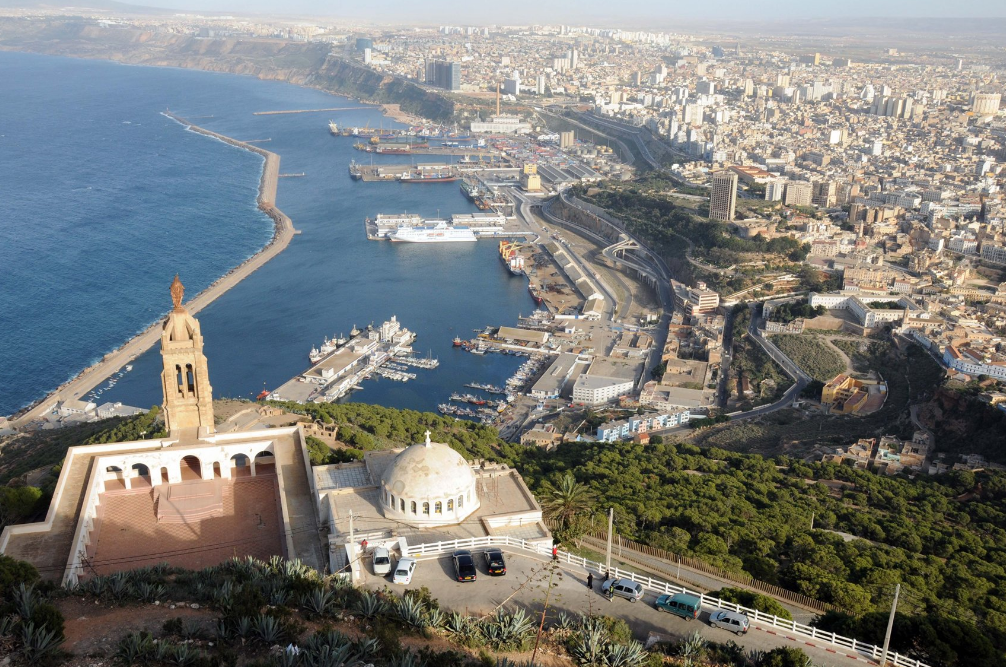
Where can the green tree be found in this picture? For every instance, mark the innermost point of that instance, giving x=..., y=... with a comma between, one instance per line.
x=566, y=504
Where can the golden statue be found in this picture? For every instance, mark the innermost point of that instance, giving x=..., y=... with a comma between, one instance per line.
x=177, y=292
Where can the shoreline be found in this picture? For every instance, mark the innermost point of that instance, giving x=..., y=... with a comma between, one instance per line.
x=283, y=232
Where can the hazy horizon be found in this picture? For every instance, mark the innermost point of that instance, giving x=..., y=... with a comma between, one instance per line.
x=574, y=12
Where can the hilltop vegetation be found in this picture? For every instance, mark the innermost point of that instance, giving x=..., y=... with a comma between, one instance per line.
x=811, y=355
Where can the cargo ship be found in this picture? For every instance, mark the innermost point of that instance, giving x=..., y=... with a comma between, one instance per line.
x=333, y=128
x=535, y=294
x=354, y=171
x=469, y=190
x=439, y=232
x=511, y=259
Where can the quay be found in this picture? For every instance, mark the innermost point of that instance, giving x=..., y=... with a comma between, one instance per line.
x=283, y=232
x=340, y=370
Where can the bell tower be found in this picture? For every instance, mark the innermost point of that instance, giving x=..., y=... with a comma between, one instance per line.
x=185, y=380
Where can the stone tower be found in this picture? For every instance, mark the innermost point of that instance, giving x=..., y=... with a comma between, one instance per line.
x=185, y=380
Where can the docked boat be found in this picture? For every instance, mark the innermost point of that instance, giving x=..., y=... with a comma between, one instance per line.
x=535, y=294
x=439, y=232
x=457, y=341
x=354, y=171
x=511, y=258
x=333, y=128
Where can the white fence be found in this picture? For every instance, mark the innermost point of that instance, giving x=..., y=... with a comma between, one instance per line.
x=661, y=587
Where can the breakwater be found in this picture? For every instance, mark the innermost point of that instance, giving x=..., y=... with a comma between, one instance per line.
x=283, y=232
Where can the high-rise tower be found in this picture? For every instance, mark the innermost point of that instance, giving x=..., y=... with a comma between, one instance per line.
x=185, y=380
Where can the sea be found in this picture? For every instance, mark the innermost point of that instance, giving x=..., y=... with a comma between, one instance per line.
x=105, y=199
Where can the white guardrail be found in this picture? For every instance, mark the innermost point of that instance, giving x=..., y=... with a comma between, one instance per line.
x=661, y=587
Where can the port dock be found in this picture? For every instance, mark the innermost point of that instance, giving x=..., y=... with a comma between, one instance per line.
x=340, y=366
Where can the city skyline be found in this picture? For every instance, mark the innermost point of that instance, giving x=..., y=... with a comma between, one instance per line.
x=568, y=12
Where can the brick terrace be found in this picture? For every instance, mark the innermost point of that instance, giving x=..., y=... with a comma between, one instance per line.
x=129, y=535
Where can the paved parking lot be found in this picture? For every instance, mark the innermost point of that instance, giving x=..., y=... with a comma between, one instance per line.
x=526, y=584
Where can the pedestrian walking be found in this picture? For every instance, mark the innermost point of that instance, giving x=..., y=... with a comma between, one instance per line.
x=555, y=552
x=590, y=580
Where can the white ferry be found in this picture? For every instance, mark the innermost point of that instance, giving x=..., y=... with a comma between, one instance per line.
x=437, y=232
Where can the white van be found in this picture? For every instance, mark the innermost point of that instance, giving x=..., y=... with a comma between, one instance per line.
x=382, y=561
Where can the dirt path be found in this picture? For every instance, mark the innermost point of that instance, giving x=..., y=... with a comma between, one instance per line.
x=837, y=350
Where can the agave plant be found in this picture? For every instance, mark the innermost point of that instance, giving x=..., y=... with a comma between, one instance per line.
x=223, y=595
x=149, y=592
x=328, y=656
x=369, y=605
x=244, y=627
x=506, y=632
x=692, y=648
x=507, y=662
x=95, y=586
x=411, y=612
x=26, y=600
x=590, y=648
x=566, y=623
x=37, y=643
x=318, y=602
x=183, y=655
x=463, y=627
x=268, y=629
x=222, y=631
x=406, y=659
x=625, y=655
x=435, y=618
x=367, y=648
x=134, y=648
x=119, y=585
x=331, y=638
x=163, y=651
x=7, y=625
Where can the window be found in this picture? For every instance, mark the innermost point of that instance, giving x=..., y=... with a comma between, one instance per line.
x=426, y=508
x=450, y=505
x=413, y=506
x=461, y=502
x=403, y=504
x=392, y=503
x=438, y=508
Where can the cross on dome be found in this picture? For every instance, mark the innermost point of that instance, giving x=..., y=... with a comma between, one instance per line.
x=427, y=437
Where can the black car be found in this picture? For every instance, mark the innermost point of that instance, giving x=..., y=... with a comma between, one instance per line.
x=464, y=565
x=495, y=562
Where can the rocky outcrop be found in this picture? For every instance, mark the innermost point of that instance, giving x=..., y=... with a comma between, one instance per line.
x=964, y=424
x=306, y=64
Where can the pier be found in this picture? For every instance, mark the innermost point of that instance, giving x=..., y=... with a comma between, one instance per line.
x=342, y=365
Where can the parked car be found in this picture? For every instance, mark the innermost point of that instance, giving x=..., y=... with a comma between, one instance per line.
x=404, y=570
x=683, y=605
x=495, y=562
x=623, y=588
x=729, y=620
x=464, y=565
x=382, y=561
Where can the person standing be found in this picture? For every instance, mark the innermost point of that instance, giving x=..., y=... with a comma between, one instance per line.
x=590, y=580
x=555, y=552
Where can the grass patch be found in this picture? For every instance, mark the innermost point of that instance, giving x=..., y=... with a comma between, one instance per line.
x=812, y=355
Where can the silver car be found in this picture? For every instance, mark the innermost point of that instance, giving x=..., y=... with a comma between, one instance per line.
x=623, y=588
x=729, y=620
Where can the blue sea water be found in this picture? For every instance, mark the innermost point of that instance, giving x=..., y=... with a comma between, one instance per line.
x=105, y=199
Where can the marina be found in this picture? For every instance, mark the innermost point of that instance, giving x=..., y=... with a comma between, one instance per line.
x=341, y=364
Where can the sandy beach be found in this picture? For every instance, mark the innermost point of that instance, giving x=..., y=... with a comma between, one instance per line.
x=284, y=231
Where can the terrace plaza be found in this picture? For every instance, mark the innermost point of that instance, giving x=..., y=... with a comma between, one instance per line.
x=197, y=497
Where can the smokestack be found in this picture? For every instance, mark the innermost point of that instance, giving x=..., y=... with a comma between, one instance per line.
x=497, y=98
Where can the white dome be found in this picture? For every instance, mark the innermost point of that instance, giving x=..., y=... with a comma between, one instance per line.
x=430, y=484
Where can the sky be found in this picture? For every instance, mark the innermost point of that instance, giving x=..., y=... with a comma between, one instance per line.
x=644, y=13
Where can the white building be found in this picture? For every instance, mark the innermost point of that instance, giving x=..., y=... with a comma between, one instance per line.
x=598, y=389
x=501, y=125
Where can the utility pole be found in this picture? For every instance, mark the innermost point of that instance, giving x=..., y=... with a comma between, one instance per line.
x=607, y=560
x=350, y=526
x=541, y=626
x=890, y=626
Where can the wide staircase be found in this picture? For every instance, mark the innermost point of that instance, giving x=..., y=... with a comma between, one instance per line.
x=188, y=501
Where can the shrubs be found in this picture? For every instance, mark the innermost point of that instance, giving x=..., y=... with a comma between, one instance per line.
x=753, y=600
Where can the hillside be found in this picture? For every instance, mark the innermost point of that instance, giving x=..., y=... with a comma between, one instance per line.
x=305, y=64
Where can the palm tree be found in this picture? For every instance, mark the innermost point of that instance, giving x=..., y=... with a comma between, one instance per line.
x=568, y=503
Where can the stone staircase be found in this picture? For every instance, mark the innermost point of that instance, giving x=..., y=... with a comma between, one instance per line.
x=300, y=505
